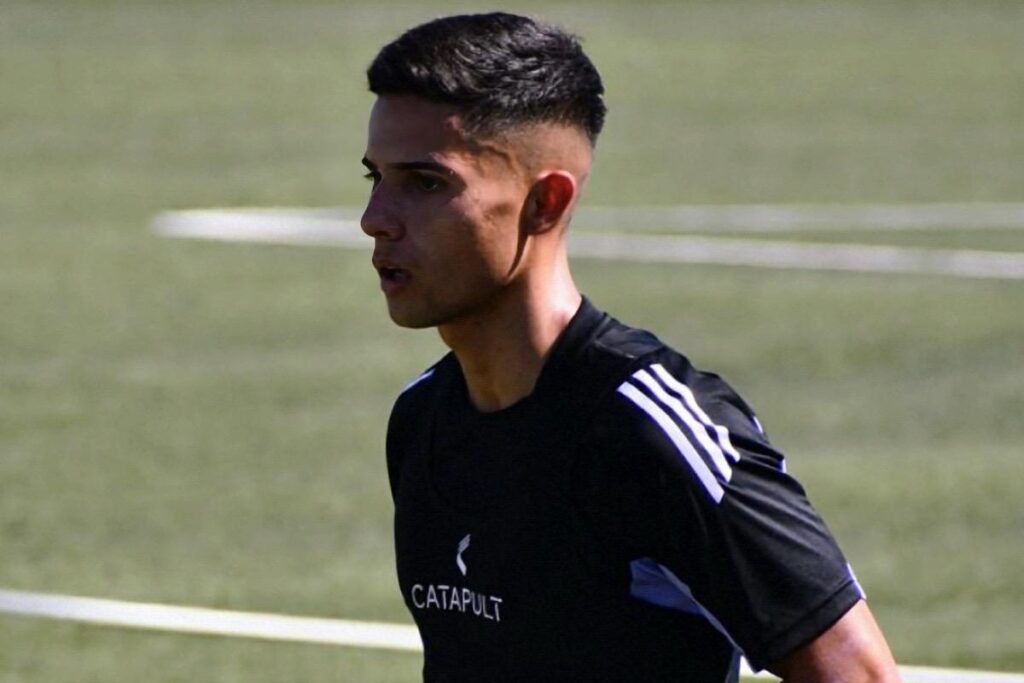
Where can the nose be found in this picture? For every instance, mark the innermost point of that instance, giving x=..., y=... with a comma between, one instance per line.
x=379, y=219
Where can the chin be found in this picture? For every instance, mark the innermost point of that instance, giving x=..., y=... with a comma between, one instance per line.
x=410, y=319
x=418, y=314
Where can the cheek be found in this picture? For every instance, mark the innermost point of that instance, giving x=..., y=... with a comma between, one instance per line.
x=498, y=247
x=498, y=232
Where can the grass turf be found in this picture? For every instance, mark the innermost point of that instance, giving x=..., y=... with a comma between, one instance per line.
x=202, y=424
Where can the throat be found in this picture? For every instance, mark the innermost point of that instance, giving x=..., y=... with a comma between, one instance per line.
x=493, y=392
x=502, y=357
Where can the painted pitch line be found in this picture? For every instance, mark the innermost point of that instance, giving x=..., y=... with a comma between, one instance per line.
x=314, y=227
x=333, y=228
x=796, y=217
x=211, y=622
x=799, y=255
x=725, y=217
x=199, y=620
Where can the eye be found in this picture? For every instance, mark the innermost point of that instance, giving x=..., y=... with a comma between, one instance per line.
x=427, y=183
x=373, y=177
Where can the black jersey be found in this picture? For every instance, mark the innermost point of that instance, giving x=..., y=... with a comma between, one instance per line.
x=627, y=521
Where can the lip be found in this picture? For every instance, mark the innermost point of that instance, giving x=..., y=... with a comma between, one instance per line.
x=394, y=277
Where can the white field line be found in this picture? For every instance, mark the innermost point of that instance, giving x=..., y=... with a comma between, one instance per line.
x=732, y=218
x=796, y=217
x=316, y=227
x=212, y=622
x=799, y=255
x=313, y=630
x=339, y=227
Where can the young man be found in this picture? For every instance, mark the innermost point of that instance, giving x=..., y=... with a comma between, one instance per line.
x=574, y=501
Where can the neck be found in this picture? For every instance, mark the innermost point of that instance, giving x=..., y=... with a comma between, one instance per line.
x=502, y=349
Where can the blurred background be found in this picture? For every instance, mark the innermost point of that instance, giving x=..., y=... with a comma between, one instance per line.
x=202, y=423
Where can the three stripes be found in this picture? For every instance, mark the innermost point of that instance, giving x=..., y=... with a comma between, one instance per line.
x=704, y=445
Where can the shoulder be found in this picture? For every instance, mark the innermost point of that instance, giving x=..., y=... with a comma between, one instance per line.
x=654, y=382
x=619, y=340
x=676, y=467
x=686, y=423
x=410, y=416
x=417, y=398
x=635, y=379
x=607, y=356
x=424, y=386
x=666, y=442
x=667, y=383
x=626, y=357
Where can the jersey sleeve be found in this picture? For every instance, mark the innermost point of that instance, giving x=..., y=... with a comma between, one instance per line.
x=682, y=475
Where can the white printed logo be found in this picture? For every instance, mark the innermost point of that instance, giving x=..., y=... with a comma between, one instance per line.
x=463, y=544
x=449, y=598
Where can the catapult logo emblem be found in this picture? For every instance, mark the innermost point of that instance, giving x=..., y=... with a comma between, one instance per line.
x=449, y=598
x=463, y=544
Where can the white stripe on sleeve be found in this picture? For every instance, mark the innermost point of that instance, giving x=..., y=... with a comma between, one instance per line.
x=722, y=433
x=682, y=444
x=692, y=424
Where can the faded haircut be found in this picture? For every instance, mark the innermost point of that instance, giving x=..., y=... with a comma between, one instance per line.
x=498, y=70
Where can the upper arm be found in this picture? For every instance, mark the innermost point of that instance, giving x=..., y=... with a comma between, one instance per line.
x=853, y=650
x=711, y=503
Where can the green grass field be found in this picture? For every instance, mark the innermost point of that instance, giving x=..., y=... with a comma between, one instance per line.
x=202, y=424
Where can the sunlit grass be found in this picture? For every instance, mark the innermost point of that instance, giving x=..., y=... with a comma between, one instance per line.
x=203, y=424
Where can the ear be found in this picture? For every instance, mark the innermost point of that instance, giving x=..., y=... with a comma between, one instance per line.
x=549, y=201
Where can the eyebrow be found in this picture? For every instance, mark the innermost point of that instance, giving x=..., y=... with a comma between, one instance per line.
x=413, y=166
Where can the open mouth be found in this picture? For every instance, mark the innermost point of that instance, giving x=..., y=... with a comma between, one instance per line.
x=393, y=277
x=393, y=274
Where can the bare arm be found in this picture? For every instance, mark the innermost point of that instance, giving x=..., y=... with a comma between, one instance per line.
x=853, y=650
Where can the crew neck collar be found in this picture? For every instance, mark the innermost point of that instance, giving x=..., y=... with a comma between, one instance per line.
x=570, y=342
x=580, y=329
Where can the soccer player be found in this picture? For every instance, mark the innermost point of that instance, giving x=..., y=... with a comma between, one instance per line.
x=574, y=501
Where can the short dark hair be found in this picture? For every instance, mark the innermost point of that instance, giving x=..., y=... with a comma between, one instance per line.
x=499, y=70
